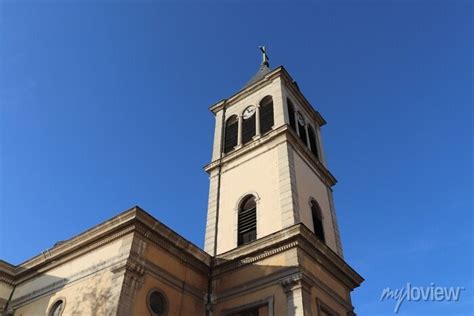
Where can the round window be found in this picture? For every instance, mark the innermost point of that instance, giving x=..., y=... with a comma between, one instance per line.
x=157, y=303
x=57, y=308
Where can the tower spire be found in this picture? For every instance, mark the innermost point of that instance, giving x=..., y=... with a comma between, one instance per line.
x=263, y=70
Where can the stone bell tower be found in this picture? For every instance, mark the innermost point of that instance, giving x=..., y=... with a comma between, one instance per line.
x=268, y=146
x=271, y=224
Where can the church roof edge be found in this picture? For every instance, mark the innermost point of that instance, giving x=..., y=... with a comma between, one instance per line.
x=118, y=223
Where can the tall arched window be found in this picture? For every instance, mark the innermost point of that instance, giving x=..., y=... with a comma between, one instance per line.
x=312, y=141
x=317, y=220
x=291, y=113
x=266, y=114
x=248, y=124
x=247, y=221
x=231, y=131
x=302, y=128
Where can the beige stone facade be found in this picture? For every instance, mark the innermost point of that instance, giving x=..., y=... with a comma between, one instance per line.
x=116, y=267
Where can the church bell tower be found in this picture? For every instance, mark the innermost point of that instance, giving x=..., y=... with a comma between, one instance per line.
x=268, y=168
x=271, y=227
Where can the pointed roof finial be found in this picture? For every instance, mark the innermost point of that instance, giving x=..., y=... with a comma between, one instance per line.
x=264, y=68
x=265, y=58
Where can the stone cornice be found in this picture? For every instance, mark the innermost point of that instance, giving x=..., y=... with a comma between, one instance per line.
x=177, y=246
x=91, y=235
x=131, y=221
x=138, y=221
x=324, y=173
x=69, y=280
x=329, y=259
x=175, y=239
x=7, y=272
x=290, y=83
x=55, y=257
x=258, y=283
x=246, y=148
x=277, y=72
x=296, y=236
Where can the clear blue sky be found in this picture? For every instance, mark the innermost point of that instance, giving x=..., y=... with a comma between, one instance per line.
x=104, y=106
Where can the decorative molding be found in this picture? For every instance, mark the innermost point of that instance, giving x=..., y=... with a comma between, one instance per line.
x=7, y=278
x=320, y=170
x=265, y=254
x=256, y=255
x=298, y=236
x=256, y=284
x=246, y=148
x=292, y=282
x=132, y=267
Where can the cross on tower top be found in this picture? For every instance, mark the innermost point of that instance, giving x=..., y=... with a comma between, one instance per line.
x=265, y=58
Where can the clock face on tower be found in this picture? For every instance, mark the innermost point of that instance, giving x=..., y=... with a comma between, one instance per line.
x=300, y=118
x=248, y=112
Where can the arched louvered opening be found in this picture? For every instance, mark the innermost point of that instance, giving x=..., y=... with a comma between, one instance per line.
x=266, y=114
x=317, y=220
x=312, y=141
x=248, y=124
x=231, y=132
x=247, y=221
x=302, y=128
x=291, y=114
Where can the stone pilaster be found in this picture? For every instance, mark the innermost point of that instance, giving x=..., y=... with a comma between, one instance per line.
x=216, y=148
x=131, y=275
x=211, y=214
x=279, y=104
x=288, y=192
x=298, y=295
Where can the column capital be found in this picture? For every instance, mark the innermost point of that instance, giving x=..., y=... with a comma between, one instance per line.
x=295, y=282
